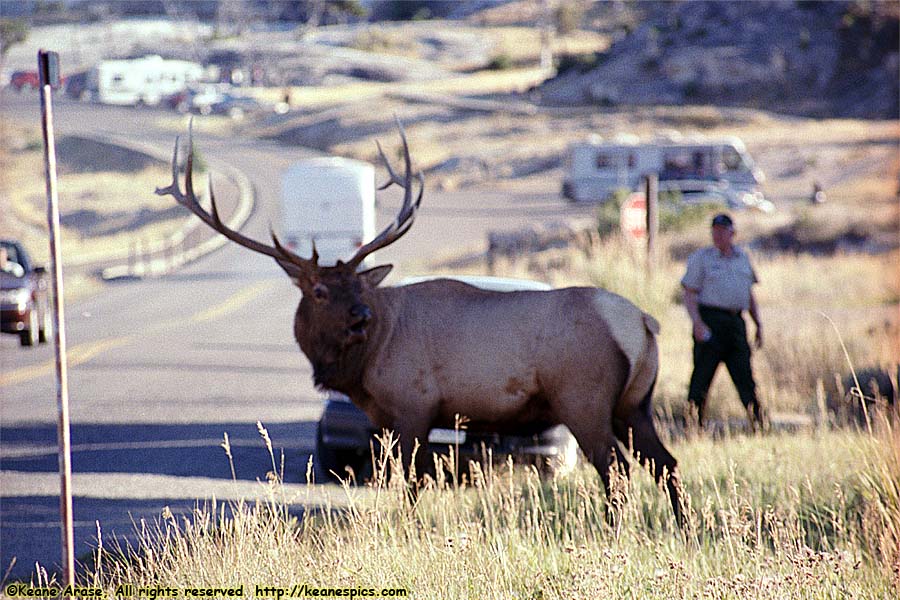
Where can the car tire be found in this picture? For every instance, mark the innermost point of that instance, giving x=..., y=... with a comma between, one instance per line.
x=331, y=464
x=29, y=336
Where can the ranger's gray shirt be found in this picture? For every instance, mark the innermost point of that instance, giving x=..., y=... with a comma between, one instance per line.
x=723, y=281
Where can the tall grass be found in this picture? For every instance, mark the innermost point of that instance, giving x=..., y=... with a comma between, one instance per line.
x=804, y=516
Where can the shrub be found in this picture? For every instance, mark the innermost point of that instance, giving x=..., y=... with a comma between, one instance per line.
x=580, y=63
x=608, y=213
x=500, y=62
x=674, y=214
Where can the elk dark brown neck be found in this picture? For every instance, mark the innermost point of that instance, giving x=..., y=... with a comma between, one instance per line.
x=337, y=366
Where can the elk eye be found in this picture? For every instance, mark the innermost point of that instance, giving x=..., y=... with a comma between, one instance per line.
x=320, y=291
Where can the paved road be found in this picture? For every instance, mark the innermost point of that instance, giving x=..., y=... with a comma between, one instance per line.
x=161, y=369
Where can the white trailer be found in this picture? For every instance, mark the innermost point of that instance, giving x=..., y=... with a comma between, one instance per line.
x=596, y=169
x=144, y=80
x=329, y=201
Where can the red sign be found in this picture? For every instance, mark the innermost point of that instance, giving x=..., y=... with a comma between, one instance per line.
x=633, y=218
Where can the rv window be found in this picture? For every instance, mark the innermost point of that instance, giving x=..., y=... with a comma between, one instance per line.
x=677, y=164
x=732, y=159
x=604, y=161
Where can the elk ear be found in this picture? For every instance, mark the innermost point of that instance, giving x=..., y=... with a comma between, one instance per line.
x=375, y=275
x=295, y=272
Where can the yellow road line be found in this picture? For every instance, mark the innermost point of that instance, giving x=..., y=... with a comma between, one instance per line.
x=84, y=352
x=235, y=302
x=75, y=356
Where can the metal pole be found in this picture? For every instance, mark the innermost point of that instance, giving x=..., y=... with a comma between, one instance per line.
x=48, y=67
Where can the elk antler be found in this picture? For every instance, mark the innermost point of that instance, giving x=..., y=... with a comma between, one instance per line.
x=407, y=214
x=189, y=200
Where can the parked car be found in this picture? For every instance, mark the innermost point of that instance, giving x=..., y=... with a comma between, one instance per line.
x=706, y=191
x=24, y=296
x=200, y=98
x=21, y=79
x=77, y=86
x=235, y=107
x=345, y=435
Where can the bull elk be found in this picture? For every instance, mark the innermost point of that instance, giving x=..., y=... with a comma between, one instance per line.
x=413, y=357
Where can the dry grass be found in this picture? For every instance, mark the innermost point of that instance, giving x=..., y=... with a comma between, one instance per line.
x=213, y=125
x=104, y=195
x=491, y=82
x=775, y=517
x=379, y=41
x=523, y=44
x=103, y=214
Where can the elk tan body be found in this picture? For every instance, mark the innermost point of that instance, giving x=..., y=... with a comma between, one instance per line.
x=443, y=347
x=413, y=357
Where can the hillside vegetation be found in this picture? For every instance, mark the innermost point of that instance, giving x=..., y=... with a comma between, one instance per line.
x=823, y=59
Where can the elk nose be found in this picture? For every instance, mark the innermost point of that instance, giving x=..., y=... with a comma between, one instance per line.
x=361, y=313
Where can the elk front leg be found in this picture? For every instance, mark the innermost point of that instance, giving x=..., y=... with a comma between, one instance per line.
x=592, y=427
x=413, y=434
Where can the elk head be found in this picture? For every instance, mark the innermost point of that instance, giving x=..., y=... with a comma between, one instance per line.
x=333, y=315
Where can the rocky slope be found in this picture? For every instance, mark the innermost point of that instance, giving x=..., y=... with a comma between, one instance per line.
x=811, y=58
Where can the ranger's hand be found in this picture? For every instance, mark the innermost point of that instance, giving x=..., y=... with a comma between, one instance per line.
x=701, y=332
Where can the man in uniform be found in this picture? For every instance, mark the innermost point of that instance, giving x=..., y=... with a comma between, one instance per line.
x=717, y=290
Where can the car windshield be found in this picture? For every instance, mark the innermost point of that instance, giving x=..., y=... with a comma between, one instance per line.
x=13, y=254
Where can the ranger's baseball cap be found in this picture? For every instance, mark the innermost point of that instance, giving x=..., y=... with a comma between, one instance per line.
x=722, y=220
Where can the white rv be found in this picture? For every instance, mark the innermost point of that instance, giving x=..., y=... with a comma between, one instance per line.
x=329, y=201
x=596, y=169
x=144, y=80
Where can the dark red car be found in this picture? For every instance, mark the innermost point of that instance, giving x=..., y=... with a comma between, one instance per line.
x=24, y=296
x=21, y=79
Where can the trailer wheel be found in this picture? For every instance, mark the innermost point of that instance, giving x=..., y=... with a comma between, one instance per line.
x=29, y=337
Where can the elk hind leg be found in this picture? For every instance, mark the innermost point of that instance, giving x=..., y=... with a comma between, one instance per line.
x=640, y=434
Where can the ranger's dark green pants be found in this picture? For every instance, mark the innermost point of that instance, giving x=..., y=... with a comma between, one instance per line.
x=728, y=344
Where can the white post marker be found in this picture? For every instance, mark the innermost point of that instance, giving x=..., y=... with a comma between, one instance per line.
x=48, y=68
x=633, y=216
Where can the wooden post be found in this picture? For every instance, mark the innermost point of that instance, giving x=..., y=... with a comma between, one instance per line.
x=545, y=23
x=48, y=67
x=652, y=191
